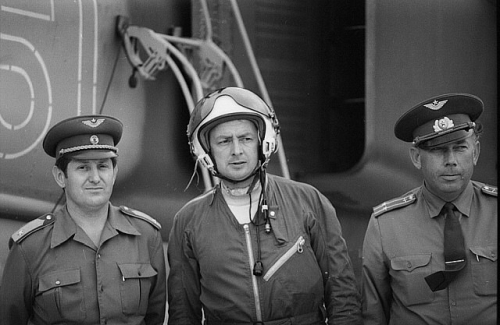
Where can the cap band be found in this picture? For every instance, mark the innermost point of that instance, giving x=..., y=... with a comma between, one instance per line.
x=85, y=142
x=90, y=147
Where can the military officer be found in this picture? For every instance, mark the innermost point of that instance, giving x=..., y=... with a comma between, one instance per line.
x=90, y=262
x=430, y=256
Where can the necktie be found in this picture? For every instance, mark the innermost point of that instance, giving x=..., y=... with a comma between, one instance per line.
x=454, y=251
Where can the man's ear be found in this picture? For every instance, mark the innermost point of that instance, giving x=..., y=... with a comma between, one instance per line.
x=477, y=150
x=415, y=157
x=59, y=176
x=115, y=172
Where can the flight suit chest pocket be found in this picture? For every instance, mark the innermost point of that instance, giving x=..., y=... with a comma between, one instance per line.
x=409, y=273
x=60, y=293
x=484, y=269
x=136, y=283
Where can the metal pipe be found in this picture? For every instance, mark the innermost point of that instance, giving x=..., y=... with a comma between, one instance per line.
x=260, y=80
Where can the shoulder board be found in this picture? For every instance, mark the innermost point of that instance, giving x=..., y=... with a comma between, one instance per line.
x=31, y=227
x=490, y=190
x=141, y=215
x=394, y=204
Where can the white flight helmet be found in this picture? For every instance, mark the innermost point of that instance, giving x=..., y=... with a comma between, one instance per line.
x=226, y=104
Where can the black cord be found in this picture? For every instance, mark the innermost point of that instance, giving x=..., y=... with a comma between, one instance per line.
x=110, y=79
x=262, y=209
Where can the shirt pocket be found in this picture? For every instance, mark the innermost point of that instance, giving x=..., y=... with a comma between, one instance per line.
x=136, y=283
x=409, y=284
x=484, y=269
x=61, y=295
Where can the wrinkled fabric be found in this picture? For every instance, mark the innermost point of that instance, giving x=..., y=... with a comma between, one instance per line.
x=405, y=245
x=56, y=275
x=211, y=268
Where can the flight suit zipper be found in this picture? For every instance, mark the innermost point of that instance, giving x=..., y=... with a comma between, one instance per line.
x=298, y=247
x=251, y=262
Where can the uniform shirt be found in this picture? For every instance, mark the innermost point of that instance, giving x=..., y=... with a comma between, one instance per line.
x=404, y=245
x=56, y=275
x=306, y=264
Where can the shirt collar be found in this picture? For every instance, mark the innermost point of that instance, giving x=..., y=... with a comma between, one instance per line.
x=65, y=227
x=462, y=202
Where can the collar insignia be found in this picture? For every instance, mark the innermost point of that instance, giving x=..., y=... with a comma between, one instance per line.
x=435, y=105
x=443, y=124
x=93, y=123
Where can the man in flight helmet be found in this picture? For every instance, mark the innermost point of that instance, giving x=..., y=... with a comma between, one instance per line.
x=257, y=248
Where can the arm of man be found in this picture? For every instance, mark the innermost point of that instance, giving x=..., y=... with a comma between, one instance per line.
x=341, y=294
x=157, y=296
x=184, y=305
x=15, y=290
x=376, y=287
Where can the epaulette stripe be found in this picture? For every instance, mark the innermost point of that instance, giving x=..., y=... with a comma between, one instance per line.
x=491, y=190
x=393, y=204
x=140, y=215
x=31, y=227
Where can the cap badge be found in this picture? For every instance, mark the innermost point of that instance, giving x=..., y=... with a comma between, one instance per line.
x=93, y=123
x=435, y=105
x=94, y=139
x=443, y=124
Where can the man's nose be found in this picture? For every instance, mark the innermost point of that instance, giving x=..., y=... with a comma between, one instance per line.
x=450, y=158
x=236, y=147
x=94, y=175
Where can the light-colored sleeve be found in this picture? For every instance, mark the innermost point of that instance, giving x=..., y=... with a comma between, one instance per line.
x=158, y=296
x=376, y=287
x=16, y=299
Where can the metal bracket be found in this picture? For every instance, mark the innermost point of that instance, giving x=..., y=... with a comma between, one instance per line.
x=151, y=46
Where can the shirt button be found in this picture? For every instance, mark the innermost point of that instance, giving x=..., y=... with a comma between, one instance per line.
x=408, y=265
x=58, y=282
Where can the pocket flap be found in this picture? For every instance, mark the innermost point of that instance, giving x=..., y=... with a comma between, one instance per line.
x=489, y=252
x=135, y=270
x=409, y=263
x=58, y=279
